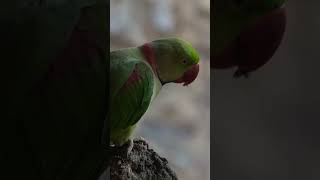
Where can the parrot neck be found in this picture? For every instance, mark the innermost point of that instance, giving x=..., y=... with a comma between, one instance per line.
x=150, y=57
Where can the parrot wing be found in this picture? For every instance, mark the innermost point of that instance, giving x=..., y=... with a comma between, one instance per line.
x=132, y=98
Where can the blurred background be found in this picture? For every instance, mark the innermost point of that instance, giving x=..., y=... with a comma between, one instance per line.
x=267, y=127
x=177, y=125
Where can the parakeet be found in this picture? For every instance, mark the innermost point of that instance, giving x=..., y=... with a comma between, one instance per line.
x=246, y=33
x=136, y=76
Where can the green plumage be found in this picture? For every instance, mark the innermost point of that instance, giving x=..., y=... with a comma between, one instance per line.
x=137, y=75
x=129, y=102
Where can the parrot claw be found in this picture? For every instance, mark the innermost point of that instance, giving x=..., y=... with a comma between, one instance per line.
x=124, y=149
x=128, y=146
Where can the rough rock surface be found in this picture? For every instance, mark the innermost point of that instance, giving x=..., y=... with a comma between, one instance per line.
x=142, y=163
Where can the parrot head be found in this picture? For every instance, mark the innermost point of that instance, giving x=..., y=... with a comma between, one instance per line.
x=173, y=60
x=246, y=33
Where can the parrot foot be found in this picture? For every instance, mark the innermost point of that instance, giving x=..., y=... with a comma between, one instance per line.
x=128, y=146
x=123, y=149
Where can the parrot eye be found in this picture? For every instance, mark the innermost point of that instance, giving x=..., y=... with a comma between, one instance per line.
x=184, y=61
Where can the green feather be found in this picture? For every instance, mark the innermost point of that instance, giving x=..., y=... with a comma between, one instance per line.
x=130, y=100
x=128, y=104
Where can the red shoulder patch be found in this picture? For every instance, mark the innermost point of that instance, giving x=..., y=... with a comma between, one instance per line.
x=133, y=78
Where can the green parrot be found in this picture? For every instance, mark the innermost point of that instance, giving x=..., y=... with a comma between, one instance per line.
x=136, y=76
x=246, y=33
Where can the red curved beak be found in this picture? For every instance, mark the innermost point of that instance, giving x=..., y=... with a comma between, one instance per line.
x=189, y=76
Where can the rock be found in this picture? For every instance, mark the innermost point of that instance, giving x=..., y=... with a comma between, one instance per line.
x=142, y=163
